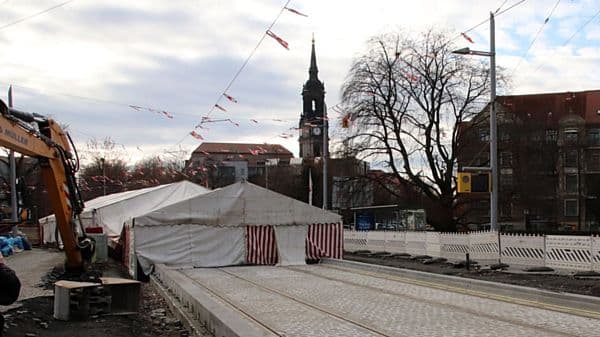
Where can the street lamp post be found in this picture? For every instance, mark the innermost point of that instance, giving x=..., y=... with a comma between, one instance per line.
x=493, y=128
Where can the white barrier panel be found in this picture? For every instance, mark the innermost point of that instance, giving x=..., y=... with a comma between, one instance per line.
x=523, y=249
x=395, y=242
x=555, y=251
x=355, y=240
x=568, y=252
x=483, y=245
x=432, y=245
x=376, y=241
x=595, y=253
x=454, y=245
x=415, y=243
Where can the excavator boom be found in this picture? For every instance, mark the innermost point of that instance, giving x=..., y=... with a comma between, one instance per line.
x=50, y=145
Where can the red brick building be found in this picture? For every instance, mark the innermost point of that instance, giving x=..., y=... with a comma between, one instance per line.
x=226, y=163
x=548, y=157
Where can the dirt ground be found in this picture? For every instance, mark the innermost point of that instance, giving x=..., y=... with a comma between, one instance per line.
x=34, y=317
x=549, y=281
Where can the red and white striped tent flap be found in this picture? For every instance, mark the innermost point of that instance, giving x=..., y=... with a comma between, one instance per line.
x=261, y=247
x=325, y=240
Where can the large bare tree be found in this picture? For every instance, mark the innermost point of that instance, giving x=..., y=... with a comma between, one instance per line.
x=407, y=97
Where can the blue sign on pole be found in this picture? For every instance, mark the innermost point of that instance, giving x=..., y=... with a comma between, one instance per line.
x=365, y=222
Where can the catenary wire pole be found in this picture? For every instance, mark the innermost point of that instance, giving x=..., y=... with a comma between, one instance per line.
x=493, y=129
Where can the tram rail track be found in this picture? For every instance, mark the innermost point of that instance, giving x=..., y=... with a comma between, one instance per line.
x=269, y=292
x=336, y=316
x=431, y=302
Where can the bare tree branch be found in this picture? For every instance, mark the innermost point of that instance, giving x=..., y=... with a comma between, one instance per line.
x=408, y=98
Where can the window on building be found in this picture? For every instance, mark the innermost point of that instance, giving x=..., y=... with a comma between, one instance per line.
x=571, y=183
x=571, y=207
x=504, y=135
x=551, y=136
x=506, y=209
x=506, y=179
x=593, y=137
x=483, y=207
x=255, y=171
x=571, y=158
x=484, y=135
x=571, y=136
x=483, y=159
x=594, y=161
x=314, y=105
x=505, y=159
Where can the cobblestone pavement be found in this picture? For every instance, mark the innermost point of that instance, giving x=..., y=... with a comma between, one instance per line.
x=324, y=301
x=30, y=266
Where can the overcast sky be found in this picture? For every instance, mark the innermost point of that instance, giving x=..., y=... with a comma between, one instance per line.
x=86, y=62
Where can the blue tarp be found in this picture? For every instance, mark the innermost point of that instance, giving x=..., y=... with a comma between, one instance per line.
x=10, y=245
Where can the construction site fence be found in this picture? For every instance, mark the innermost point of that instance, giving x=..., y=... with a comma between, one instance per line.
x=581, y=253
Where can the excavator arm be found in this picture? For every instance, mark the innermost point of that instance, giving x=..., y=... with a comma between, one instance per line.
x=50, y=145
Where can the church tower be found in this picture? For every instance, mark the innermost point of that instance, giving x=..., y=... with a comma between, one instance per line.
x=312, y=124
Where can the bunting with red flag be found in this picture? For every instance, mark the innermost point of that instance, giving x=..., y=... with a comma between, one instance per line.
x=295, y=11
x=281, y=41
x=231, y=98
x=467, y=37
x=196, y=135
x=166, y=113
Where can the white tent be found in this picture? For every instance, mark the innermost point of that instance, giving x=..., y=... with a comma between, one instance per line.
x=240, y=223
x=111, y=211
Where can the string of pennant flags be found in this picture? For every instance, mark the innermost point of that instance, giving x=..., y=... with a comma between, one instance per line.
x=346, y=120
x=225, y=94
x=227, y=100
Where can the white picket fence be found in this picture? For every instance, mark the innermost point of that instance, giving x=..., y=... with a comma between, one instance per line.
x=555, y=251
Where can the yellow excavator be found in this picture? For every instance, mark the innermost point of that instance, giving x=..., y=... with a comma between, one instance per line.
x=39, y=137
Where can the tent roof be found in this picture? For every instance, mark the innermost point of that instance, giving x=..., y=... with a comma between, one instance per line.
x=239, y=204
x=113, y=209
x=110, y=199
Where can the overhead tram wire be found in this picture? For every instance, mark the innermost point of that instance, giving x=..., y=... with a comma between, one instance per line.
x=500, y=7
x=498, y=12
x=49, y=93
x=25, y=18
x=488, y=20
x=262, y=38
x=248, y=58
x=535, y=37
x=570, y=38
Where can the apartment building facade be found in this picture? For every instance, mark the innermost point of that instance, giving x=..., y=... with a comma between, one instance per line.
x=549, y=162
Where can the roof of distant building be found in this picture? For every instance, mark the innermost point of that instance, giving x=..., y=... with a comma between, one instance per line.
x=243, y=148
x=551, y=107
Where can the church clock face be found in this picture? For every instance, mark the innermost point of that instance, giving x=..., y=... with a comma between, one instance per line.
x=316, y=131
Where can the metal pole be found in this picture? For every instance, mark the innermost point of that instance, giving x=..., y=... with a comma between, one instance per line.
x=325, y=154
x=493, y=130
x=13, y=176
